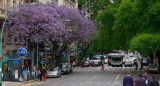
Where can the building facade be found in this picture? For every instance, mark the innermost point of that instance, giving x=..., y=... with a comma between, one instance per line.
x=6, y=5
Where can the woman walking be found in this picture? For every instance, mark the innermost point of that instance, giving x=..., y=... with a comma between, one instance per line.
x=44, y=74
x=24, y=73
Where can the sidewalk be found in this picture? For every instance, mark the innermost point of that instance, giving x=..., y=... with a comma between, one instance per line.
x=10, y=83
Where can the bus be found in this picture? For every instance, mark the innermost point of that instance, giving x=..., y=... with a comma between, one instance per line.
x=115, y=59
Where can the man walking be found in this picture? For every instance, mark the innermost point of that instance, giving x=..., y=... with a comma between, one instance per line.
x=140, y=81
x=154, y=82
x=141, y=63
x=136, y=64
x=128, y=80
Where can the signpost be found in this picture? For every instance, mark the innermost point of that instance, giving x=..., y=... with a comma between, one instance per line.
x=22, y=52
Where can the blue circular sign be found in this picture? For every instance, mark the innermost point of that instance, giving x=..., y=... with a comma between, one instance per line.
x=22, y=52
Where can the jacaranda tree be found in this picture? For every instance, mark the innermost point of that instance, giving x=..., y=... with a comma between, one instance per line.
x=52, y=26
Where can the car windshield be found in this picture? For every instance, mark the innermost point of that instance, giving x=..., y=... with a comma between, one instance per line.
x=64, y=65
x=51, y=69
x=152, y=66
x=96, y=58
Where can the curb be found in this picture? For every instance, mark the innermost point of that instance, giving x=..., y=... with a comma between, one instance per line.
x=28, y=82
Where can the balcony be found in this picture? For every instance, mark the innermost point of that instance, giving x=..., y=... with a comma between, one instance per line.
x=2, y=13
x=73, y=1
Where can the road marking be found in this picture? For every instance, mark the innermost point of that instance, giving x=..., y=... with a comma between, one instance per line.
x=116, y=78
x=83, y=83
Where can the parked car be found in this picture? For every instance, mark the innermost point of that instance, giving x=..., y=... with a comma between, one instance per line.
x=86, y=64
x=54, y=72
x=66, y=68
x=153, y=68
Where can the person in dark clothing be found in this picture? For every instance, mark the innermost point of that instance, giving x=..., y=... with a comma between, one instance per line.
x=154, y=82
x=142, y=63
x=40, y=74
x=128, y=80
x=140, y=81
x=136, y=64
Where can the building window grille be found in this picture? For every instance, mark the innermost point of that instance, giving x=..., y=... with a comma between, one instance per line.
x=73, y=1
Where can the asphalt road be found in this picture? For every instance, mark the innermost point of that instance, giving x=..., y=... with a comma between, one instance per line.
x=92, y=76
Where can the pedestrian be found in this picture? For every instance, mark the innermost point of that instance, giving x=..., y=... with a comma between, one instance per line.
x=44, y=72
x=136, y=64
x=128, y=80
x=147, y=79
x=153, y=82
x=28, y=73
x=24, y=75
x=35, y=72
x=102, y=67
x=74, y=64
x=141, y=63
x=140, y=81
x=40, y=74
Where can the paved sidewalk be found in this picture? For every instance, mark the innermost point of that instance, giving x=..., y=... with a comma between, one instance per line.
x=10, y=83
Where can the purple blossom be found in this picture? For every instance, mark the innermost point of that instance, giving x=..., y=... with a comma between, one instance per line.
x=22, y=24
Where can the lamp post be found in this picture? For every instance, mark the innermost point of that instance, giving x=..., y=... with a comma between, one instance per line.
x=37, y=45
x=2, y=36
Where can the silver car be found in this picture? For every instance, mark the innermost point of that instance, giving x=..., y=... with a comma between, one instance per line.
x=54, y=72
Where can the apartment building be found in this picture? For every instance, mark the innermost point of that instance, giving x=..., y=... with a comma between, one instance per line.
x=6, y=5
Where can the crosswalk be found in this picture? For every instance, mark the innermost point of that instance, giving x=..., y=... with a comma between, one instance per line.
x=108, y=68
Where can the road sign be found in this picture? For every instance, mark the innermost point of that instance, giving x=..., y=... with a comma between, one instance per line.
x=22, y=52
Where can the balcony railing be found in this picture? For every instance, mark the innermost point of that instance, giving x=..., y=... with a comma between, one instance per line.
x=2, y=11
x=73, y=1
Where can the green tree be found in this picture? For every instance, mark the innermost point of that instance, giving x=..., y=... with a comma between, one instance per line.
x=94, y=6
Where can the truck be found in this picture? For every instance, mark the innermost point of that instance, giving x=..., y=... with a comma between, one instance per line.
x=96, y=61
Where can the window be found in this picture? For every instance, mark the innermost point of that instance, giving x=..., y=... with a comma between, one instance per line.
x=31, y=1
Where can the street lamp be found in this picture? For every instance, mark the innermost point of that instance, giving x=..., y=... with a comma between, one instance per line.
x=2, y=36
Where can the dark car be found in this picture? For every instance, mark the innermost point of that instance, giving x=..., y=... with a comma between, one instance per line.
x=145, y=62
x=66, y=68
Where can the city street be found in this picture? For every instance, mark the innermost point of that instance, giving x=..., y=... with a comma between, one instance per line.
x=92, y=76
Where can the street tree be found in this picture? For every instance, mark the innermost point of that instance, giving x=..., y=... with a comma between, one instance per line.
x=22, y=24
x=94, y=6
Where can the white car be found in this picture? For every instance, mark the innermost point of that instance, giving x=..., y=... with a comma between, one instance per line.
x=128, y=62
